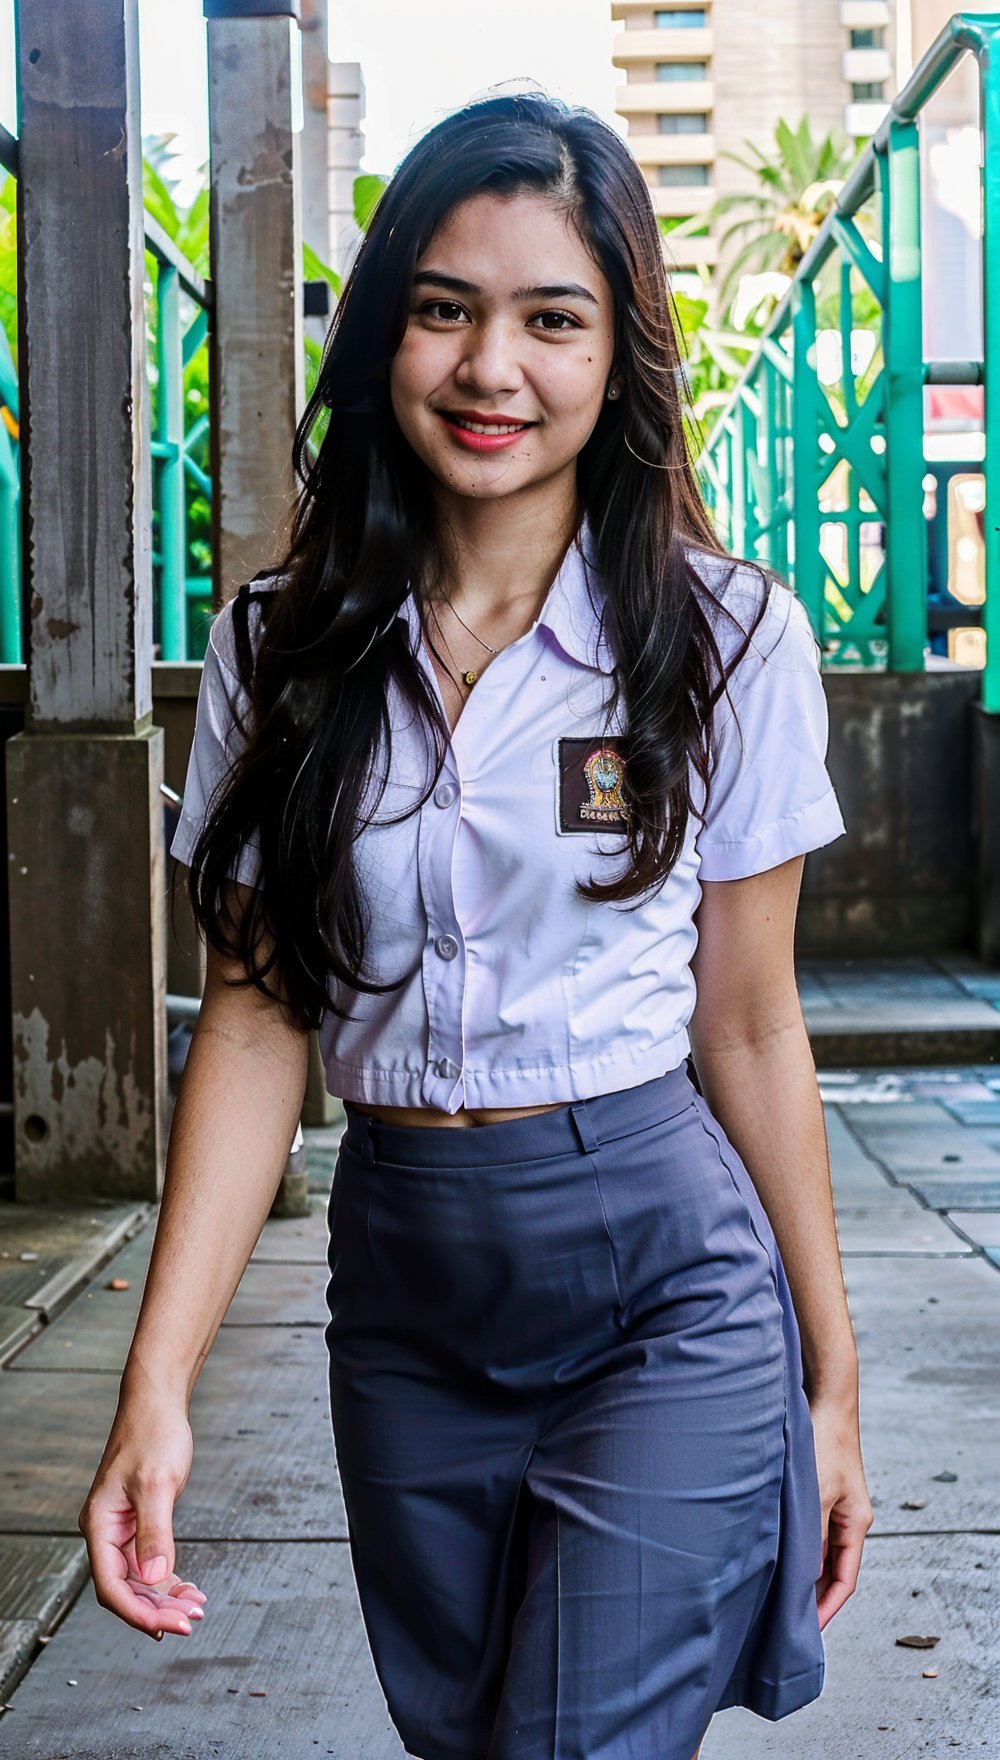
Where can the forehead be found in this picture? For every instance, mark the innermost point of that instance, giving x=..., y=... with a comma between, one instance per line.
x=500, y=241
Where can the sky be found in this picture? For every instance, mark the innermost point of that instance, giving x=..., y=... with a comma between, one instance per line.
x=420, y=59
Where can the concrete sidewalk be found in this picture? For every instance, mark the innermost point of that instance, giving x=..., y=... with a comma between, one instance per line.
x=280, y=1667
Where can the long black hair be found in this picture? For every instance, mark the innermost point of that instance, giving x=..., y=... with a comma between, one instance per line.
x=327, y=638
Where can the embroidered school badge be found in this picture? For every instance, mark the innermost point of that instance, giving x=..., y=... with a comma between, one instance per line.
x=591, y=777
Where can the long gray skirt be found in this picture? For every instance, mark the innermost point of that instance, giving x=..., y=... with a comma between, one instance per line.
x=568, y=1415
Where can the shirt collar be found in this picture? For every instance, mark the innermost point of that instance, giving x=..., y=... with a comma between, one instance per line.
x=568, y=612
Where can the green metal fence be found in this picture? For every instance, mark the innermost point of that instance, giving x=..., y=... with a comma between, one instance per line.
x=180, y=304
x=799, y=470
x=180, y=438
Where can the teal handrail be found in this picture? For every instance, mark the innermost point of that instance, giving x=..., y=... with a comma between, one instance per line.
x=779, y=438
x=175, y=440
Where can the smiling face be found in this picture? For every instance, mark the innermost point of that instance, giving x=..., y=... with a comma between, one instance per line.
x=508, y=351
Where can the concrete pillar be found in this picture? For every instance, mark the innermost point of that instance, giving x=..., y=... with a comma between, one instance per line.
x=86, y=854
x=256, y=228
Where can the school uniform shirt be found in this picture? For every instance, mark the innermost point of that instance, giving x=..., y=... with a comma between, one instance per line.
x=520, y=991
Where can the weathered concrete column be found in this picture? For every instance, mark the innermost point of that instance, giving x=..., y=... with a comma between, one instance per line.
x=257, y=348
x=86, y=857
x=258, y=362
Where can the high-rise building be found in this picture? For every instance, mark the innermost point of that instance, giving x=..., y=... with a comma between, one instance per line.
x=704, y=76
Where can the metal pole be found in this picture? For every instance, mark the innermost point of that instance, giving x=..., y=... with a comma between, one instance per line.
x=989, y=74
x=902, y=341
x=809, y=567
x=170, y=433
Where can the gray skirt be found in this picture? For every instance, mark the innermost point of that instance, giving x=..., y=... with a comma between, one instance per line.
x=569, y=1420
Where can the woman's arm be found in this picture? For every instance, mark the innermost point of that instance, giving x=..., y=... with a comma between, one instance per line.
x=756, y=1069
x=238, y=1104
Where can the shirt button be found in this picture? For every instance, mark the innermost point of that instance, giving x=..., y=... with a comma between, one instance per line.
x=446, y=946
x=445, y=1067
x=444, y=795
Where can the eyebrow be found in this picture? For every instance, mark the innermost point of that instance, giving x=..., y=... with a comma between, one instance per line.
x=559, y=290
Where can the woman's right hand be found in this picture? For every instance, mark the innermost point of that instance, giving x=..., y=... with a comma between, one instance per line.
x=127, y=1518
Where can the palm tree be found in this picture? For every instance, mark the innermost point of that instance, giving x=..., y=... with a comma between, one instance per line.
x=797, y=185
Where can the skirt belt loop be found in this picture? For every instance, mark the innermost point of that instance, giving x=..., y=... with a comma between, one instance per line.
x=589, y=1140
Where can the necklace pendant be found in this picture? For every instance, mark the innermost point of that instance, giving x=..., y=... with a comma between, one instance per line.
x=470, y=676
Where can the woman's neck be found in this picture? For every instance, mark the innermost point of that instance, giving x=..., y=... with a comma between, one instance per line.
x=499, y=557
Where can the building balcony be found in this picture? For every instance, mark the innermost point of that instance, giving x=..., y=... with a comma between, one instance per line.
x=676, y=202
x=625, y=8
x=862, y=15
x=632, y=46
x=690, y=253
x=672, y=149
x=861, y=65
x=650, y=98
x=861, y=120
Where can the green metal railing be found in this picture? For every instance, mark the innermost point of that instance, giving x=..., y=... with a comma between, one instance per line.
x=789, y=464
x=183, y=596
x=175, y=444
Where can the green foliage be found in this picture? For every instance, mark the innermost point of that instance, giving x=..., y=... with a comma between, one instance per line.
x=8, y=261
x=769, y=229
x=797, y=184
x=367, y=195
x=187, y=227
x=715, y=358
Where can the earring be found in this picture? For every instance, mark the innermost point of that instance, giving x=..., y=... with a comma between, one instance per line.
x=613, y=392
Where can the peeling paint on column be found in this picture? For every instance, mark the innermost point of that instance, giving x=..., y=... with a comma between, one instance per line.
x=72, y=1099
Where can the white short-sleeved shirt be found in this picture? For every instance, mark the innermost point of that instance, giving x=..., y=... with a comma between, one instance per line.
x=521, y=991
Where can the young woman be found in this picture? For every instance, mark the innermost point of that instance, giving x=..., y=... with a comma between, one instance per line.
x=503, y=782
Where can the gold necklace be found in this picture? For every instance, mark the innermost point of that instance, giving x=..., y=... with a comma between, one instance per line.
x=444, y=638
x=470, y=674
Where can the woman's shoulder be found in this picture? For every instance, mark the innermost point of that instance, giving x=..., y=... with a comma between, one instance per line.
x=744, y=598
x=225, y=631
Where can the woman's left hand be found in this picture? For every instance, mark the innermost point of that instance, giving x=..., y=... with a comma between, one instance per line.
x=847, y=1510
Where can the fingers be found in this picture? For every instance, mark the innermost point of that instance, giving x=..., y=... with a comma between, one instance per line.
x=840, y=1575
x=133, y=1602
x=111, y=1526
x=154, y=1539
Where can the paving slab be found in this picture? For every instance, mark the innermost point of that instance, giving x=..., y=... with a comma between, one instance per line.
x=875, y=1700
x=281, y=1621
x=981, y=1226
x=298, y=1240
x=102, y=1320
x=895, y=1110
x=17, y=1325
x=895, y=1228
x=929, y=1347
x=264, y=1463
x=949, y=1191
x=975, y=1111
x=905, y=1148
x=49, y=1252
x=39, y=1578
x=856, y=1175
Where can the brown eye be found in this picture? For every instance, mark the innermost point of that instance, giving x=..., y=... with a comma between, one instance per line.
x=562, y=321
x=445, y=309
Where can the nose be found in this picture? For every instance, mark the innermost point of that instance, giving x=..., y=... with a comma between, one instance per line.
x=489, y=366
